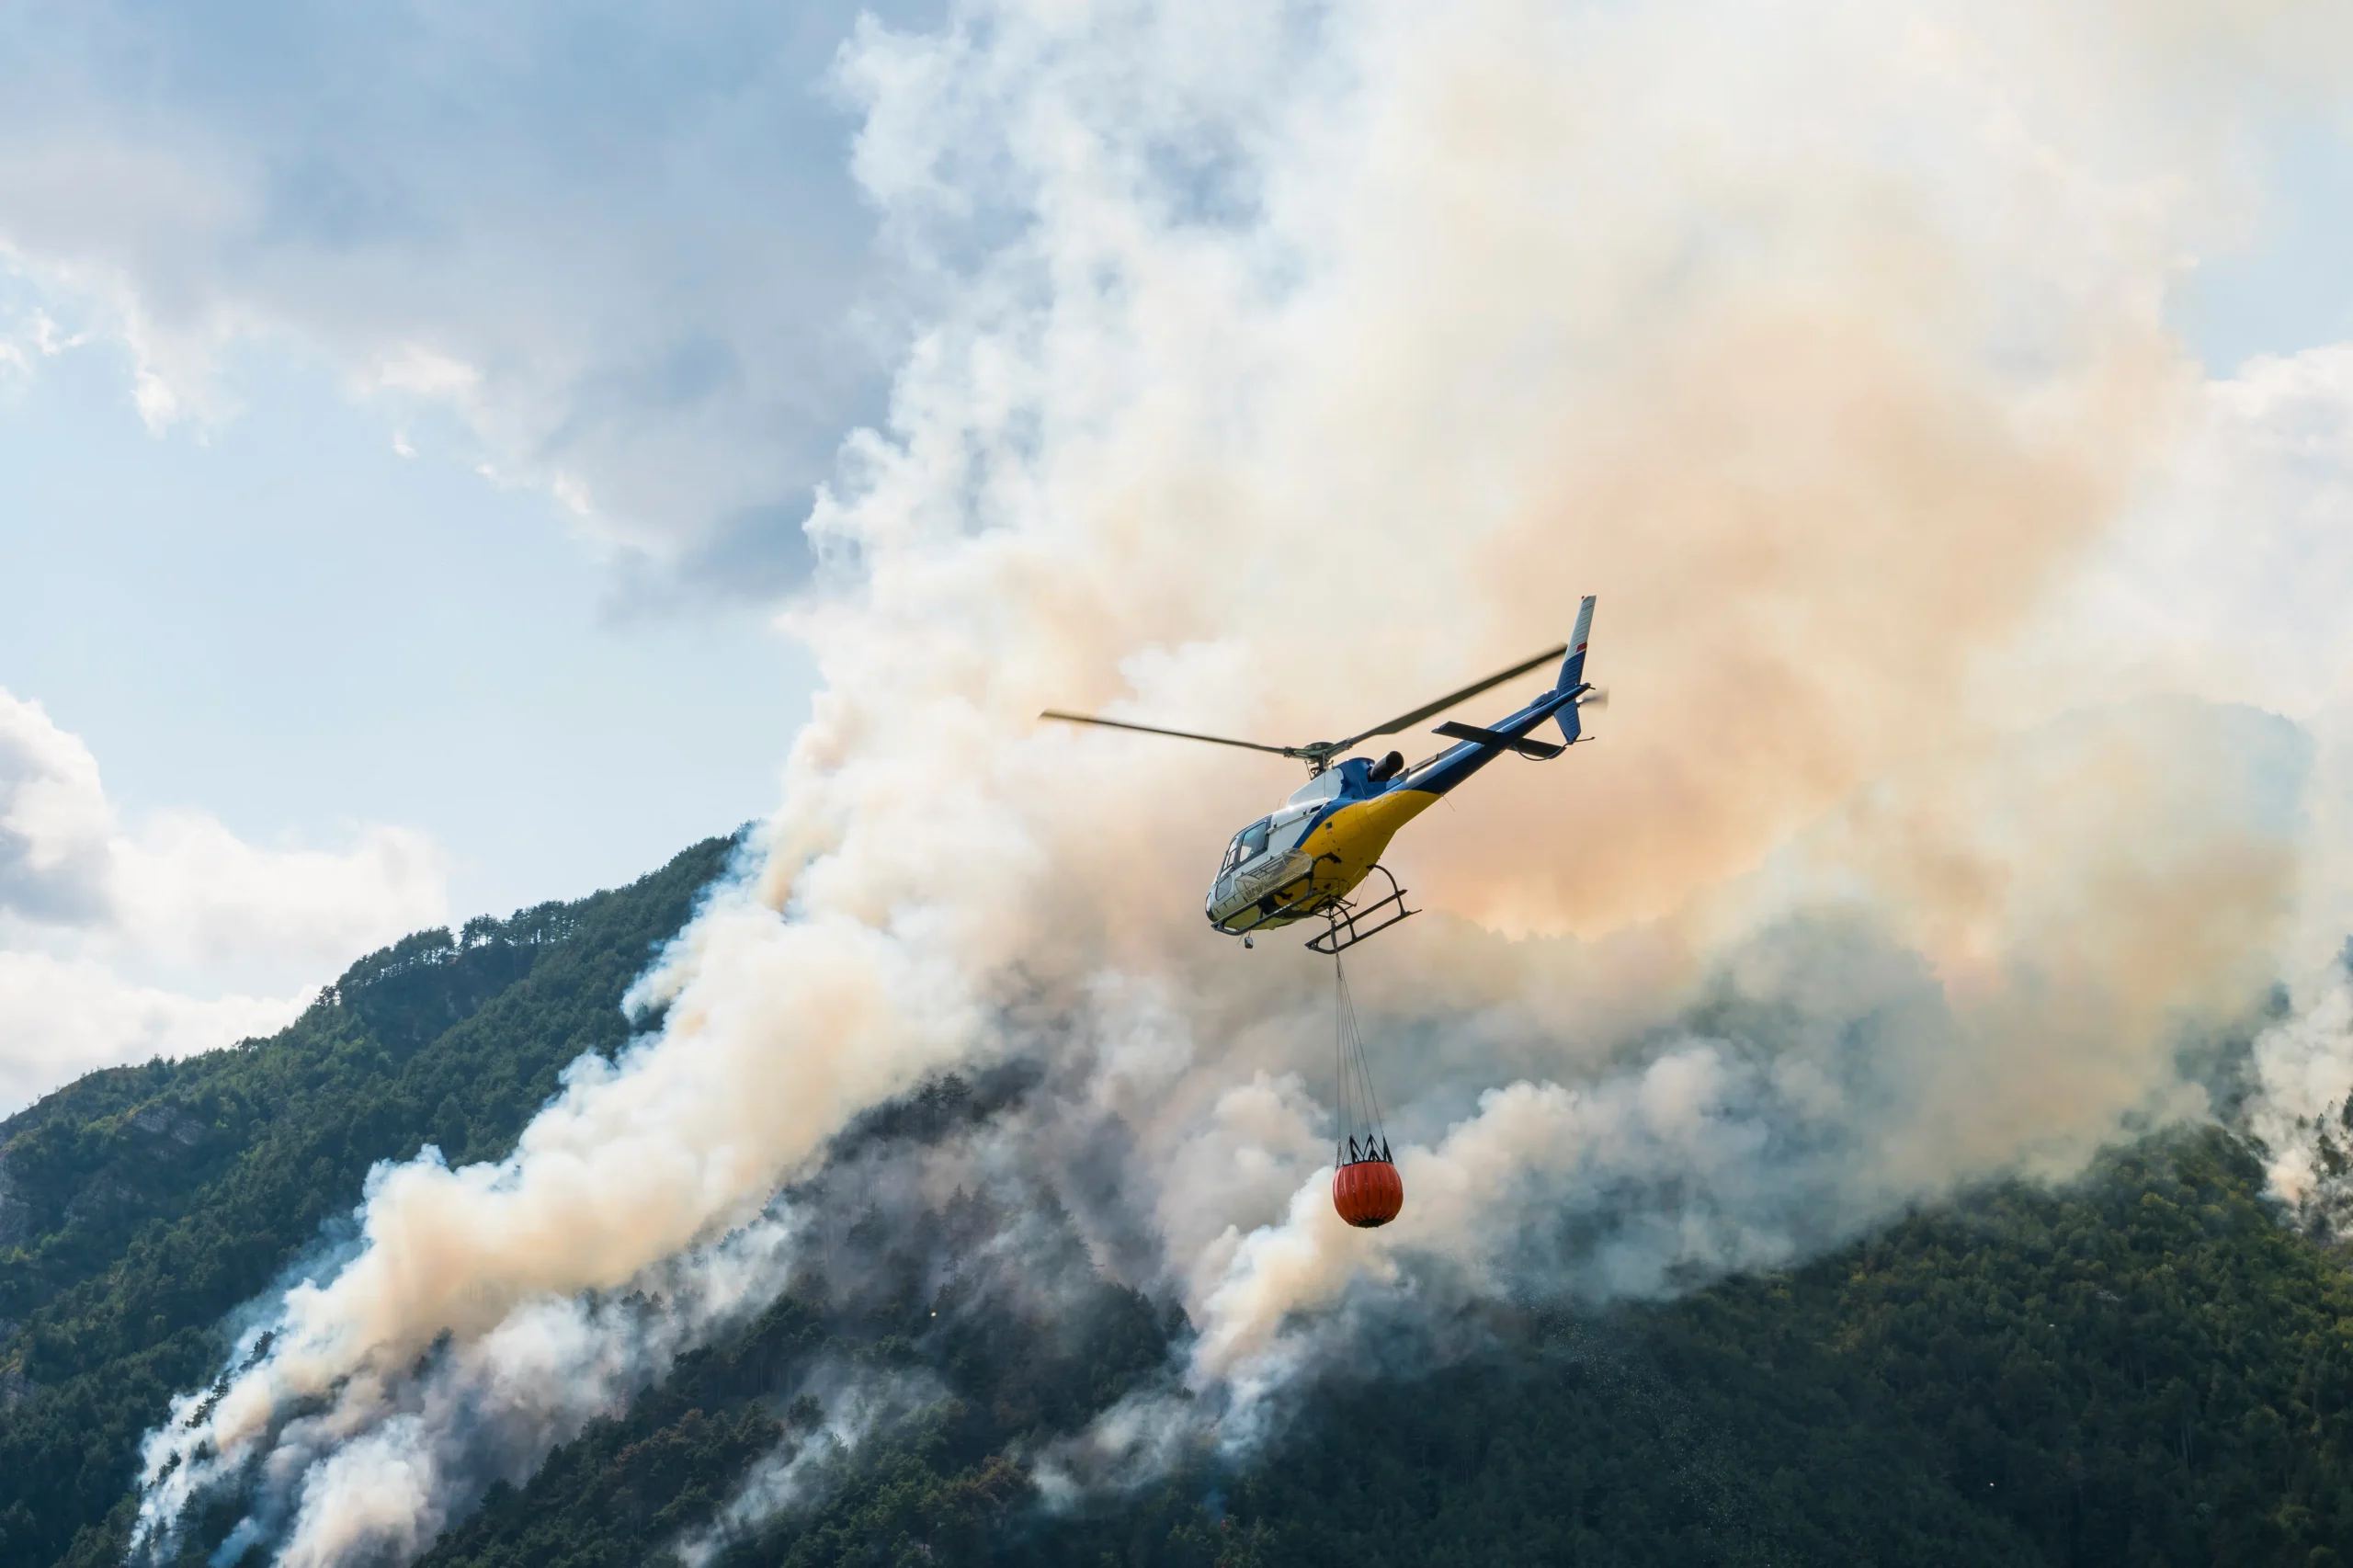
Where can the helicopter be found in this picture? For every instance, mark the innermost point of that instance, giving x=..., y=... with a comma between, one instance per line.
x=1305, y=858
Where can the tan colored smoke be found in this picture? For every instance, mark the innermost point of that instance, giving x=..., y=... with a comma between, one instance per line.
x=1805, y=533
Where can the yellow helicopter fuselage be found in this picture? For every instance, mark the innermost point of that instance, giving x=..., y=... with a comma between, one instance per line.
x=1315, y=850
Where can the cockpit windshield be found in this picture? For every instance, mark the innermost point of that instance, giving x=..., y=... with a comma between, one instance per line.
x=1247, y=845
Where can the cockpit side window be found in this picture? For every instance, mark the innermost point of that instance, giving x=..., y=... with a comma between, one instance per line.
x=1248, y=845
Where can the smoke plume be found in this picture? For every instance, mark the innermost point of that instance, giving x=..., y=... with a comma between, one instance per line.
x=1279, y=367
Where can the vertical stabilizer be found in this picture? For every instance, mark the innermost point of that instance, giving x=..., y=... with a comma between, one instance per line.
x=1573, y=668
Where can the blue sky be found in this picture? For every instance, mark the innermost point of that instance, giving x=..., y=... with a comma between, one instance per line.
x=2289, y=284
x=286, y=622
x=634, y=224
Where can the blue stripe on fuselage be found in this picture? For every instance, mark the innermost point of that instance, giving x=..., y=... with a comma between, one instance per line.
x=1449, y=767
x=1457, y=763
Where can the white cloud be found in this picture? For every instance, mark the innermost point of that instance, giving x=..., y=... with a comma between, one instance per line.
x=619, y=248
x=53, y=819
x=119, y=942
x=60, y=1017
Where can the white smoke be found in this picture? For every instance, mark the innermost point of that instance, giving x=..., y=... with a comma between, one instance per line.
x=386, y=1465
x=2304, y=1071
x=849, y=1409
x=1283, y=366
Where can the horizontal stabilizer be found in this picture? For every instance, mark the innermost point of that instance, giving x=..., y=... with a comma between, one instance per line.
x=1455, y=730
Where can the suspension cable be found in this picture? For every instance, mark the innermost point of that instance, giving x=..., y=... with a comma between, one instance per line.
x=1359, y=1101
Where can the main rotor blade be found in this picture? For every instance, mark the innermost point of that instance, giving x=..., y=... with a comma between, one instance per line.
x=1155, y=730
x=1448, y=700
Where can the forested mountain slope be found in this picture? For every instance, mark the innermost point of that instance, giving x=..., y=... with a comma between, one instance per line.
x=140, y=1205
x=2146, y=1367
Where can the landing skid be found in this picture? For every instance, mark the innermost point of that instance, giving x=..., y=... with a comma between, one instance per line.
x=1350, y=925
